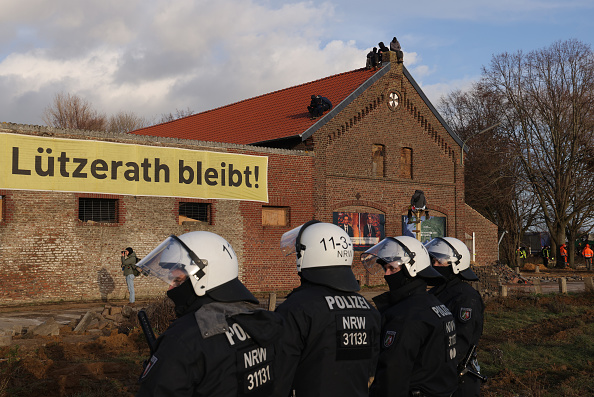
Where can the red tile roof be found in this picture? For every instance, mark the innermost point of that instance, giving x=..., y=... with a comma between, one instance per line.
x=276, y=115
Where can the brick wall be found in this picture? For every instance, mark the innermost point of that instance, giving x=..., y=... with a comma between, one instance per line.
x=47, y=254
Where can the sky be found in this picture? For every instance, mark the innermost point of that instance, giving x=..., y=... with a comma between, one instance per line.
x=155, y=57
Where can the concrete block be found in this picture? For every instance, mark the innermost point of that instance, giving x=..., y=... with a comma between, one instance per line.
x=85, y=322
x=5, y=340
x=589, y=284
x=50, y=327
x=562, y=285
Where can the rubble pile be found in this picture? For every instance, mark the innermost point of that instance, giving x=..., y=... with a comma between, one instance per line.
x=508, y=275
x=94, y=323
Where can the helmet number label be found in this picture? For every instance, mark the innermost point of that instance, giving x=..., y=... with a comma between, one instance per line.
x=342, y=244
x=225, y=249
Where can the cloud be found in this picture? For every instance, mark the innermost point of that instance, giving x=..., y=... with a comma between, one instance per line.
x=154, y=56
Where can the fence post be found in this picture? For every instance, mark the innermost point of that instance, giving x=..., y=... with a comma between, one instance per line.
x=537, y=287
x=562, y=285
x=272, y=301
x=589, y=284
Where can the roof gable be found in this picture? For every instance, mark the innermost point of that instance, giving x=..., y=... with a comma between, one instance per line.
x=280, y=114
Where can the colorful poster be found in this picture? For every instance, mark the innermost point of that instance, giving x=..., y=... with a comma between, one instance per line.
x=365, y=229
x=55, y=164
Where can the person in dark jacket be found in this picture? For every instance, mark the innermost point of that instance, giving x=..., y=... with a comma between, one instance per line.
x=451, y=258
x=381, y=51
x=221, y=344
x=418, y=336
x=330, y=345
x=128, y=263
x=323, y=104
x=312, y=105
x=373, y=59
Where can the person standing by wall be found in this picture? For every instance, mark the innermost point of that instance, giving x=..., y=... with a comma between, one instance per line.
x=129, y=261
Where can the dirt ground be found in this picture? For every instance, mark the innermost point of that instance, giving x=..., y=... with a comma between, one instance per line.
x=106, y=359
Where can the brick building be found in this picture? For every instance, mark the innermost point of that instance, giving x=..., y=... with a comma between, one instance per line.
x=362, y=160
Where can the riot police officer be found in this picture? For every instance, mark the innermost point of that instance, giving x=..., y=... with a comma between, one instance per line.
x=451, y=258
x=221, y=344
x=330, y=345
x=418, y=336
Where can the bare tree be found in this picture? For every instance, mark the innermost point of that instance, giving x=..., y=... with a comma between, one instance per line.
x=126, y=122
x=179, y=114
x=493, y=185
x=548, y=97
x=73, y=112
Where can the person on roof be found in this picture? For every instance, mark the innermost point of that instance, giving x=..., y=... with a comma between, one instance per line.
x=373, y=59
x=323, y=104
x=383, y=50
x=395, y=46
x=312, y=105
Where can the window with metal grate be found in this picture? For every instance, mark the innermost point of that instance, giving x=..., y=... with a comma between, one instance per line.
x=98, y=210
x=194, y=212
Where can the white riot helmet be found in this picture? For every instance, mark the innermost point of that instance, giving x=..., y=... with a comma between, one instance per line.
x=453, y=252
x=324, y=254
x=405, y=251
x=206, y=258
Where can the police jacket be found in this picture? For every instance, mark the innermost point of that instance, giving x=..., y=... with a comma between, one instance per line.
x=330, y=343
x=418, y=344
x=468, y=310
x=223, y=349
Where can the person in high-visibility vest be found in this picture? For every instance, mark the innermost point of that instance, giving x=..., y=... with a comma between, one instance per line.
x=588, y=253
x=563, y=252
x=523, y=255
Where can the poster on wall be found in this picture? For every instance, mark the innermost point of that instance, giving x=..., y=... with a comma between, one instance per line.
x=433, y=227
x=366, y=229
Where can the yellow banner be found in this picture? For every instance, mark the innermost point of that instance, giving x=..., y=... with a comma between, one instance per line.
x=39, y=163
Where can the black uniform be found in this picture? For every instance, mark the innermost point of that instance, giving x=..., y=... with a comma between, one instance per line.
x=330, y=343
x=418, y=344
x=223, y=349
x=468, y=309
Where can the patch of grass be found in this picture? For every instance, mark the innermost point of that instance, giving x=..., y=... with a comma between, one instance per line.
x=539, y=346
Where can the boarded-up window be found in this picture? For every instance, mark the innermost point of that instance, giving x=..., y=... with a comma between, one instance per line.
x=406, y=163
x=378, y=153
x=275, y=216
x=194, y=212
x=98, y=210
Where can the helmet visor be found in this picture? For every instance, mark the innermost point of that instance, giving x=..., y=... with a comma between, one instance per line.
x=442, y=252
x=288, y=240
x=171, y=262
x=388, y=250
